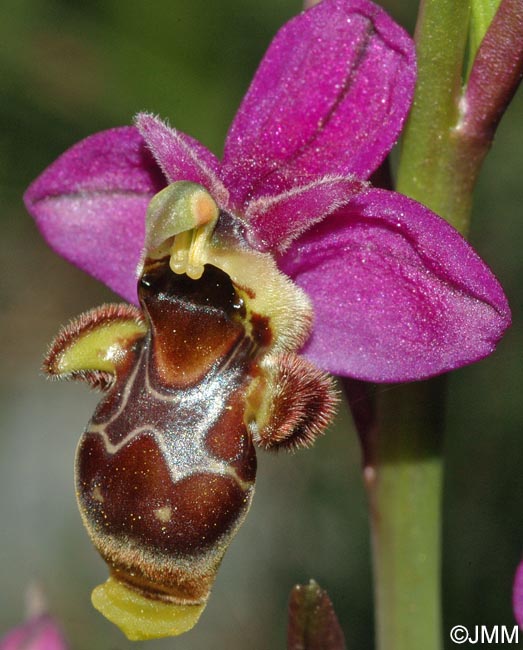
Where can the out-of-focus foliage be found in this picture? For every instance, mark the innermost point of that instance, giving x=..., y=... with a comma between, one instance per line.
x=68, y=69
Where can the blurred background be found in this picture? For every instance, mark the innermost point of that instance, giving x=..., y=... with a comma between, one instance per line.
x=70, y=68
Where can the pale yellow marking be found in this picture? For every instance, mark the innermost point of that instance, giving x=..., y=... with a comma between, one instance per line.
x=100, y=349
x=180, y=252
x=163, y=514
x=140, y=618
x=97, y=494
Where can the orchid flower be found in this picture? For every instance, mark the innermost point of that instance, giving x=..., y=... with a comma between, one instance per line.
x=397, y=293
x=235, y=259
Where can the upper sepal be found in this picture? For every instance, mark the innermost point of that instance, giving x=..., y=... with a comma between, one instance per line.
x=93, y=346
x=398, y=294
x=330, y=97
x=90, y=205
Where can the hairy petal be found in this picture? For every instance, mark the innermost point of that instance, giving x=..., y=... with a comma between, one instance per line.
x=517, y=595
x=90, y=205
x=181, y=157
x=398, y=294
x=276, y=220
x=330, y=97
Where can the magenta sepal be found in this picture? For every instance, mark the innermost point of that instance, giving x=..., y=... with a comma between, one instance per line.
x=397, y=289
x=90, y=205
x=398, y=294
x=330, y=97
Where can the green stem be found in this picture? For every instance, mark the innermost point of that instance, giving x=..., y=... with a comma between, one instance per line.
x=450, y=129
x=482, y=15
x=446, y=139
x=431, y=167
x=404, y=484
x=404, y=465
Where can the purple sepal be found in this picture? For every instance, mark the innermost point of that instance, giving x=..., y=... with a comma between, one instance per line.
x=330, y=97
x=90, y=205
x=398, y=294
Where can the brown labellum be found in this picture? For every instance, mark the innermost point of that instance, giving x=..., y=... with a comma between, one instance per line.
x=165, y=469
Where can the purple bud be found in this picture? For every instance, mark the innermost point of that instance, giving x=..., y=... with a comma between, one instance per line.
x=38, y=633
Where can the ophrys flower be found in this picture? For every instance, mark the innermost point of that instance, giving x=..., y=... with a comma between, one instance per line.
x=397, y=294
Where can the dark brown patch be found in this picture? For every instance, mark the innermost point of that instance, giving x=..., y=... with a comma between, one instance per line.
x=261, y=330
x=230, y=441
x=131, y=493
x=165, y=583
x=196, y=323
x=181, y=400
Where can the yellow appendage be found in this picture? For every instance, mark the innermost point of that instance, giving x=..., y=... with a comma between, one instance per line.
x=100, y=349
x=140, y=618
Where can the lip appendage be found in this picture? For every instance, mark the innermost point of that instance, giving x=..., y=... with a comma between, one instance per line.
x=203, y=372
